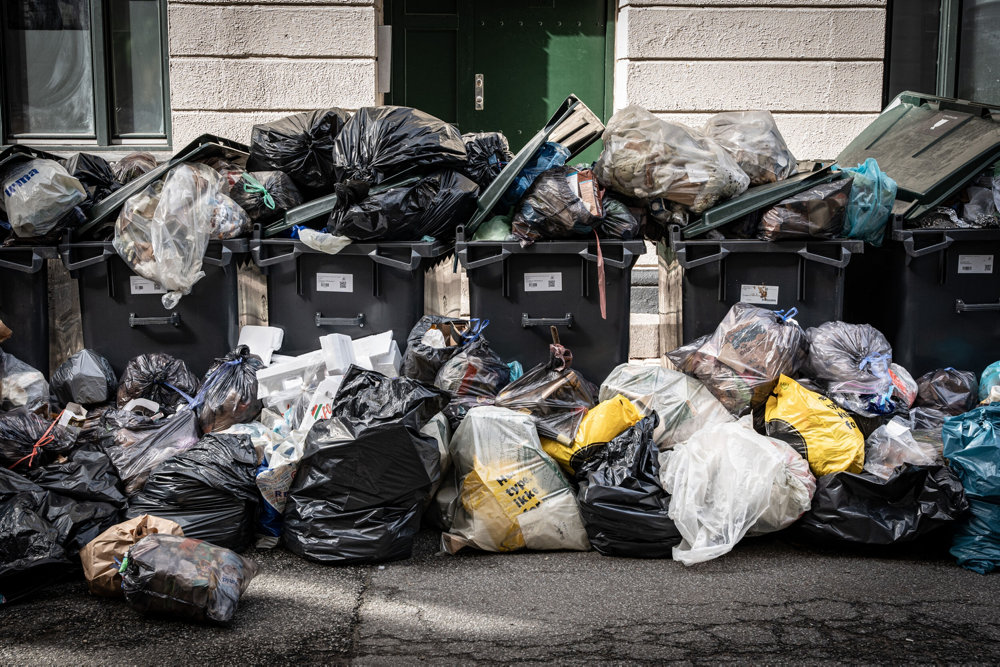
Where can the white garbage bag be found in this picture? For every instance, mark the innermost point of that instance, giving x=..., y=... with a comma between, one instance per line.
x=891, y=445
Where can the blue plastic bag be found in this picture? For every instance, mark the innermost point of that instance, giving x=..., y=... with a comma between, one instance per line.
x=551, y=154
x=872, y=196
x=990, y=379
x=976, y=544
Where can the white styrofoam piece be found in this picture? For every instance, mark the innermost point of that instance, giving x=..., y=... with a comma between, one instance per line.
x=388, y=364
x=339, y=352
x=283, y=375
x=262, y=341
x=322, y=402
x=372, y=346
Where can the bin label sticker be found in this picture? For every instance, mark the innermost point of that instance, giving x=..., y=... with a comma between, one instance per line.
x=334, y=282
x=762, y=295
x=543, y=282
x=139, y=285
x=975, y=263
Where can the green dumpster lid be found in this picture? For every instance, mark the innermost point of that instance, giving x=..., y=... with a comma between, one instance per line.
x=931, y=146
x=573, y=125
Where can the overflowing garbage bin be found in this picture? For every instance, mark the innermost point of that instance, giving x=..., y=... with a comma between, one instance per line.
x=933, y=288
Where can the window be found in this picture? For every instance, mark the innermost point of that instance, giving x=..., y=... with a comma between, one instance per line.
x=945, y=47
x=83, y=73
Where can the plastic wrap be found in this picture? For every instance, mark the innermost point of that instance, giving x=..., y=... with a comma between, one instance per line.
x=872, y=197
x=816, y=427
x=37, y=194
x=185, y=578
x=852, y=362
x=133, y=165
x=102, y=556
x=721, y=482
x=209, y=490
x=742, y=360
x=624, y=509
x=683, y=405
x=86, y=378
x=556, y=396
x=378, y=143
x=157, y=377
x=549, y=156
x=432, y=207
x=948, y=390
x=475, y=371
x=646, y=157
x=21, y=386
x=904, y=387
x=511, y=494
x=228, y=394
x=30, y=441
x=487, y=154
x=299, y=145
x=137, y=445
x=265, y=195
x=817, y=213
x=94, y=173
x=990, y=379
x=753, y=139
x=563, y=202
x=892, y=445
x=792, y=494
x=603, y=423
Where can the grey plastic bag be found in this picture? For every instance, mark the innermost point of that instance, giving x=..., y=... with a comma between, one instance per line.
x=86, y=378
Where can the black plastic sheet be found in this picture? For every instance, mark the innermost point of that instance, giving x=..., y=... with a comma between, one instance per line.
x=86, y=378
x=299, y=145
x=94, y=173
x=136, y=445
x=157, y=377
x=210, y=490
x=618, y=221
x=624, y=508
x=488, y=153
x=267, y=196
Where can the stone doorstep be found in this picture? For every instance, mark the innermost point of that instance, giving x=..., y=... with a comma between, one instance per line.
x=644, y=336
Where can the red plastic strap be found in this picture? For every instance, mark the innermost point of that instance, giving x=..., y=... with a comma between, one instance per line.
x=46, y=439
x=601, y=287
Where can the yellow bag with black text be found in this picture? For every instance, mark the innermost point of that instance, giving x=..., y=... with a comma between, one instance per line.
x=602, y=424
x=511, y=494
x=816, y=427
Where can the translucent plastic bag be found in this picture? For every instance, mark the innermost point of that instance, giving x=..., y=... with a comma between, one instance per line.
x=549, y=156
x=512, y=495
x=948, y=390
x=646, y=157
x=475, y=371
x=21, y=386
x=228, y=395
x=37, y=194
x=852, y=362
x=753, y=139
x=872, y=196
x=563, y=202
x=265, y=195
x=132, y=166
x=990, y=379
x=86, y=378
x=137, y=445
x=904, y=387
x=487, y=154
x=723, y=481
x=683, y=404
x=102, y=556
x=892, y=445
x=817, y=213
x=432, y=341
x=300, y=145
x=183, y=577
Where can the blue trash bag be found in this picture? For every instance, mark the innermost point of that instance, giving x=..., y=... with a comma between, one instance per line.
x=990, y=379
x=872, y=196
x=976, y=544
x=551, y=154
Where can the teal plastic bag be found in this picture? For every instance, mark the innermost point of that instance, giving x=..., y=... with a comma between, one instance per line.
x=872, y=196
x=990, y=379
x=976, y=544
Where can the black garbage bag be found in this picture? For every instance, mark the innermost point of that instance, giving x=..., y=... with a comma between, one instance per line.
x=862, y=508
x=817, y=213
x=299, y=145
x=487, y=154
x=28, y=440
x=157, y=377
x=94, y=173
x=624, y=508
x=378, y=143
x=851, y=362
x=229, y=392
x=86, y=378
x=86, y=475
x=950, y=391
x=618, y=221
x=475, y=371
x=210, y=490
x=367, y=398
x=563, y=202
x=132, y=166
x=426, y=352
x=434, y=207
x=185, y=578
x=137, y=444
x=265, y=195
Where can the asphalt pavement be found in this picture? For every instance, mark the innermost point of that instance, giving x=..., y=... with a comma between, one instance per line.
x=771, y=600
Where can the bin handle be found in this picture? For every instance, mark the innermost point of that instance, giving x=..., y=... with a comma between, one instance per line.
x=173, y=319
x=224, y=260
x=485, y=261
x=963, y=307
x=685, y=264
x=277, y=259
x=845, y=258
x=411, y=265
x=84, y=263
x=624, y=263
x=35, y=266
x=566, y=321
x=356, y=321
x=936, y=247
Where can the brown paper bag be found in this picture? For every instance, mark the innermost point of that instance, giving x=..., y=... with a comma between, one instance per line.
x=98, y=557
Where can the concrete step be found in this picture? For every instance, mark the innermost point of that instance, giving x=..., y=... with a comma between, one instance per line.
x=644, y=332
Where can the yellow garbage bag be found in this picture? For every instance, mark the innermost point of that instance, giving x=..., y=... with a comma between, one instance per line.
x=602, y=424
x=818, y=428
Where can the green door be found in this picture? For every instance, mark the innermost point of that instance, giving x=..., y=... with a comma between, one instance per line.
x=528, y=56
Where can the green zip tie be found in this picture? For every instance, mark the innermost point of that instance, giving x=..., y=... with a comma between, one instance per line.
x=253, y=185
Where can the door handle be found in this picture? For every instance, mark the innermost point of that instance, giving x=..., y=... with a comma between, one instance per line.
x=480, y=95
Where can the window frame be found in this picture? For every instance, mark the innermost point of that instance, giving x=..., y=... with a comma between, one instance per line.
x=103, y=139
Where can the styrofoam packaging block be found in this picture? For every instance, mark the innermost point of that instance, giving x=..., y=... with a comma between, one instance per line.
x=262, y=341
x=339, y=352
x=286, y=375
x=373, y=346
x=388, y=364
